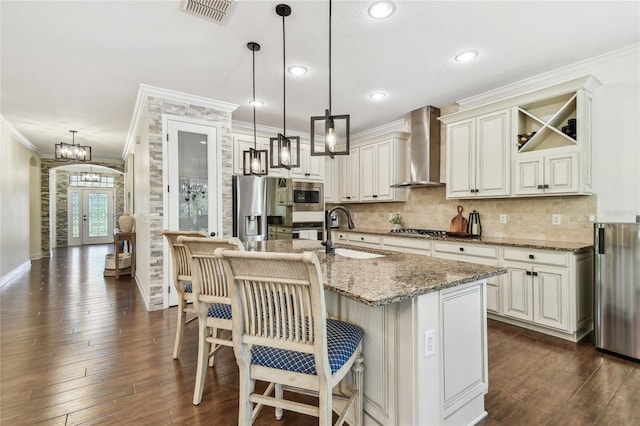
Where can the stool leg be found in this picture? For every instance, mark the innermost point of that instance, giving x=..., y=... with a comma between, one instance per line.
x=201, y=369
x=182, y=315
x=358, y=375
x=279, y=395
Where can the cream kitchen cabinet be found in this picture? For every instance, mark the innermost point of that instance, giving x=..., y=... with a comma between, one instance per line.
x=378, y=171
x=551, y=173
x=475, y=253
x=478, y=156
x=407, y=245
x=350, y=177
x=549, y=291
x=311, y=167
x=241, y=143
x=331, y=179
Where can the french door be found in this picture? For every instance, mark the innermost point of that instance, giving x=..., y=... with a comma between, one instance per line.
x=90, y=216
x=192, y=180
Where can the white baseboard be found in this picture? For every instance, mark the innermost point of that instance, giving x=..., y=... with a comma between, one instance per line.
x=6, y=279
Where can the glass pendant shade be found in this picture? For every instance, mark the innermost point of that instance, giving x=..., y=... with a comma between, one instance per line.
x=72, y=152
x=330, y=134
x=254, y=161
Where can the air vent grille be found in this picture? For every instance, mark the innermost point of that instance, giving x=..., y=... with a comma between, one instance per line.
x=213, y=10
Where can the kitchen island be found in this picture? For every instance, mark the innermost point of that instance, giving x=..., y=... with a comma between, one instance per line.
x=425, y=345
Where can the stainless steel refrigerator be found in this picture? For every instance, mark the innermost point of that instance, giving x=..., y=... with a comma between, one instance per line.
x=617, y=288
x=250, y=208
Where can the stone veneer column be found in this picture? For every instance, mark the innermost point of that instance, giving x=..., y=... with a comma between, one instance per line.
x=157, y=107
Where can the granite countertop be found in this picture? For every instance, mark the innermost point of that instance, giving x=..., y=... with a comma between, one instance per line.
x=383, y=280
x=576, y=247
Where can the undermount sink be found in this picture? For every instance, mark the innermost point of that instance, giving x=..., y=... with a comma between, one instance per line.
x=355, y=254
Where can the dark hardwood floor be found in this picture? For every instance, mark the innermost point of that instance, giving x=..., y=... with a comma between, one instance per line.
x=78, y=348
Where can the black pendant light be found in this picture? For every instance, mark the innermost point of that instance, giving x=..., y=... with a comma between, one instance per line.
x=254, y=161
x=284, y=150
x=330, y=133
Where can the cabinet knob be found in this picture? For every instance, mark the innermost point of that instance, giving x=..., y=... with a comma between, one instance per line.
x=531, y=256
x=461, y=248
x=535, y=274
x=545, y=186
x=540, y=187
x=361, y=238
x=347, y=197
x=375, y=196
x=528, y=272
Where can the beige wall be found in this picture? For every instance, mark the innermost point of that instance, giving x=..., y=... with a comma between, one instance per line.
x=528, y=218
x=15, y=188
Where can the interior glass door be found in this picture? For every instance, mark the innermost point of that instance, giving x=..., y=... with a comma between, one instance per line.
x=192, y=182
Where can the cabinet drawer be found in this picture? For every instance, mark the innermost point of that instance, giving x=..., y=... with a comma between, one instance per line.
x=283, y=230
x=547, y=257
x=417, y=243
x=467, y=249
x=341, y=236
x=368, y=240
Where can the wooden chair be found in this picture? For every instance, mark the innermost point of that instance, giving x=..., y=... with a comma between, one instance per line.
x=181, y=281
x=211, y=301
x=281, y=335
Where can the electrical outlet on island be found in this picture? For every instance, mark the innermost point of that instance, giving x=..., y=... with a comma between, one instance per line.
x=503, y=219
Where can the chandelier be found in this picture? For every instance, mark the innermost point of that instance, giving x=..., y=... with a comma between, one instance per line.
x=72, y=152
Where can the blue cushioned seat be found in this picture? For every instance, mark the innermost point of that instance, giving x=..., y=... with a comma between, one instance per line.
x=220, y=310
x=342, y=340
x=187, y=288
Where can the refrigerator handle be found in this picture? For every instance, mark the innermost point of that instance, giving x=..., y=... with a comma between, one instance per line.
x=600, y=241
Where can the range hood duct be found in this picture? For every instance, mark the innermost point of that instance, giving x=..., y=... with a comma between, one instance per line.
x=424, y=149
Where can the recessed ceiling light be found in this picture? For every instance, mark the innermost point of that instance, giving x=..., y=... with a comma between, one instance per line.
x=376, y=96
x=258, y=102
x=466, y=56
x=381, y=9
x=297, y=70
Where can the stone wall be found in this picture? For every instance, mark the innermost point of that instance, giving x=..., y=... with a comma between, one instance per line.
x=158, y=106
x=61, y=198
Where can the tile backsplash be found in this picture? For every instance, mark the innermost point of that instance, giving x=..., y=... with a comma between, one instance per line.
x=527, y=218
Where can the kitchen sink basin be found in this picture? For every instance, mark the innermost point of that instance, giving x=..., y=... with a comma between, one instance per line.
x=356, y=254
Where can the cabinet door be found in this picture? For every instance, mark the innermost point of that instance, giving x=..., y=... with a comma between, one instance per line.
x=461, y=159
x=315, y=168
x=368, y=173
x=300, y=172
x=350, y=176
x=241, y=143
x=330, y=180
x=561, y=173
x=493, y=154
x=384, y=162
x=518, y=302
x=551, y=297
x=528, y=176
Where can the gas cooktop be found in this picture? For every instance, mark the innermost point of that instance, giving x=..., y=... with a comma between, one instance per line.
x=427, y=232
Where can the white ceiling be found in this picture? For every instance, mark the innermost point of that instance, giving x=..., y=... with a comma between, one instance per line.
x=78, y=64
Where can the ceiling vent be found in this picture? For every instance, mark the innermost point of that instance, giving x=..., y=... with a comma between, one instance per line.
x=217, y=11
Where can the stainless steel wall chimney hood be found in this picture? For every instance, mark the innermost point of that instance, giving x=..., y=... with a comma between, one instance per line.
x=424, y=149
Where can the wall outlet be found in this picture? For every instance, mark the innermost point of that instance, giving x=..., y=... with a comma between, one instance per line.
x=592, y=218
x=556, y=219
x=429, y=343
x=503, y=219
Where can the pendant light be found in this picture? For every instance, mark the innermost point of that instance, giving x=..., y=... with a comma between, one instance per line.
x=284, y=150
x=335, y=129
x=254, y=161
x=72, y=152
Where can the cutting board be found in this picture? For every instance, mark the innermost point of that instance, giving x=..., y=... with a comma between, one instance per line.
x=458, y=223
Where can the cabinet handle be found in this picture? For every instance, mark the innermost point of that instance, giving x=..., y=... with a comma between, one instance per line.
x=545, y=186
x=531, y=256
x=461, y=248
x=535, y=274
x=347, y=197
x=540, y=187
x=477, y=190
x=528, y=272
x=375, y=196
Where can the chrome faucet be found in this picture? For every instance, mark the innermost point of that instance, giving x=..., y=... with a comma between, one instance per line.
x=328, y=244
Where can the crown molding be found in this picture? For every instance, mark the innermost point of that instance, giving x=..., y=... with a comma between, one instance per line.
x=264, y=131
x=24, y=141
x=551, y=78
x=146, y=91
x=394, y=126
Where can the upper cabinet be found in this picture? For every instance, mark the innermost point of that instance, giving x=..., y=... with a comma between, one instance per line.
x=311, y=168
x=538, y=143
x=372, y=166
x=478, y=156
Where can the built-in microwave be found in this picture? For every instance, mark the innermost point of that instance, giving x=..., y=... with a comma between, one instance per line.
x=307, y=196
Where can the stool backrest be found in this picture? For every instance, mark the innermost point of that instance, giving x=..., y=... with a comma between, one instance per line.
x=180, y=260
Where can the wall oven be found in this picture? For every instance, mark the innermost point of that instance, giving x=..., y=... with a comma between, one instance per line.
x=307, y=196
